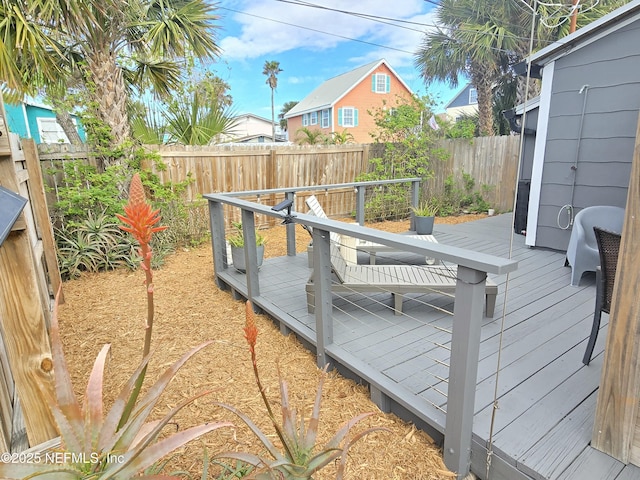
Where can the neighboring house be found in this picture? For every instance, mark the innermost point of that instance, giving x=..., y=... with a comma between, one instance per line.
x=465, y=102
x=252, y=128
x=585, y=123
x=341, y=103
x=31, y=119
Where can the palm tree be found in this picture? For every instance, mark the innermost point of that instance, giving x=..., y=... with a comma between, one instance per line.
x=341, y=138
x=283, y=111
x=483, y=38
x=271, y=69
x=305, y=136
x=473, y=40
x=110, y=46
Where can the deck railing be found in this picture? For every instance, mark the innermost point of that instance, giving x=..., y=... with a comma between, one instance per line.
x=471, y=272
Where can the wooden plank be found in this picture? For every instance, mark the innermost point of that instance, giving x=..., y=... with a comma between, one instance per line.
x=552, y=453
x=618, y=399
x=41, y=209
x=629, y=472
x=19, y=439
x=22, y=320
x=593, y=464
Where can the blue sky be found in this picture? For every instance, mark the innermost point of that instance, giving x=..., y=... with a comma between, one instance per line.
x=330, y=43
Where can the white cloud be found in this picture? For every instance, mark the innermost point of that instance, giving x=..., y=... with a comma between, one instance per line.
x=259, y=36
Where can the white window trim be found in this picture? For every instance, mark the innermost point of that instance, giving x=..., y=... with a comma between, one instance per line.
x=314, y=118
x=47, y=133
x=473, y=102
x=377, y=76
x=305, y=119
x=353, y=117
x=325, y=122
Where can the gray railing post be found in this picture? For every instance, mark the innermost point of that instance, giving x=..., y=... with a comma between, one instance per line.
x=415, y=199
x=218, y=242
x=250, y=253
x=360, y=191
x=291, y=228
x=463, y=370
x=322, y=286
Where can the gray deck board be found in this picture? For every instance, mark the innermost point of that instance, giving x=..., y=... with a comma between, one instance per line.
x=546, y=396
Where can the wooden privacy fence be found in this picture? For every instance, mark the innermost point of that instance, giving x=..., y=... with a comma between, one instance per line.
x=491, y=161
x=29, y=276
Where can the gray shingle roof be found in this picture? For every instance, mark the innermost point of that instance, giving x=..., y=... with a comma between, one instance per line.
x=329, y=92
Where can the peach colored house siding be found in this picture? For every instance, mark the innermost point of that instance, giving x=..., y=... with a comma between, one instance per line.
x=293, y=125
x=365, y=99
x=352, y=90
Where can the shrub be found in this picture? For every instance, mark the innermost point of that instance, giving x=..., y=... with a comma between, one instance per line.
x=409, y=147
x=462, y=196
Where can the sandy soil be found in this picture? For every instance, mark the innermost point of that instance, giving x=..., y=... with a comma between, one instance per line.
x=111, y=308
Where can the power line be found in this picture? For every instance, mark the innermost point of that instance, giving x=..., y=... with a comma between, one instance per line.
x=317, y=31
x=394, y=21
x=340, y=36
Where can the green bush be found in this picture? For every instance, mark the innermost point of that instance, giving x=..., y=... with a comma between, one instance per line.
x=86, y=190
x=409, y=147
x=461, y=196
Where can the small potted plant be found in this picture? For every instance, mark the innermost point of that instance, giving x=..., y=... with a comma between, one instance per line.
x=236, y=241
x=424, y=216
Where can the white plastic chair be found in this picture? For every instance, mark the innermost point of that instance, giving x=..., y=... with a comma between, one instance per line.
x=582, y=252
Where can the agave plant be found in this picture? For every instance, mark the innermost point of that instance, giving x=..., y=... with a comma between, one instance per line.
x=95, y=245
x=300, y=457
x=93, y=445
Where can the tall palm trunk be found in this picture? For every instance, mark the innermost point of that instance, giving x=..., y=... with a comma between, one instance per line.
x=65, y=120
x=110, y=93
x=482, y=79
x=273, y=118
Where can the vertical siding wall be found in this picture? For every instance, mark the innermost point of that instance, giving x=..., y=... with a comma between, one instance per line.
x=491, y=161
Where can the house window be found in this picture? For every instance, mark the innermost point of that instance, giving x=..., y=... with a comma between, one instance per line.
x=305, y=119
x=326, y=118
x=348, y=117
x=314, y=118
x=380, y=83
x=50, y=131
x=473, y=96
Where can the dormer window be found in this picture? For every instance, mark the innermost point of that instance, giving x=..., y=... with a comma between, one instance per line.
x=473, y=96
x=380, y=83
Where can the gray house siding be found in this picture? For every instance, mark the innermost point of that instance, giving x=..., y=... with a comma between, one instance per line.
x=461, y=99
x=590, y=165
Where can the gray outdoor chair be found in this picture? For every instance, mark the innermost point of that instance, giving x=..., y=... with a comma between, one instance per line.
x=582, y=252
x=608, y=250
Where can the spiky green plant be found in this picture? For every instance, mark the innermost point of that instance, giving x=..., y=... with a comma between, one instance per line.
x=300, y=457
x=122, y=443
x=96, y=244
x=94, y=445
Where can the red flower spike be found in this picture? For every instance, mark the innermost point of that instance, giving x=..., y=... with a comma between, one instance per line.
x=136, y=191
x=250, y=329
x=138, y=214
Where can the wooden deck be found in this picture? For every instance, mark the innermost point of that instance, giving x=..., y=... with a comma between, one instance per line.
x=546, y=397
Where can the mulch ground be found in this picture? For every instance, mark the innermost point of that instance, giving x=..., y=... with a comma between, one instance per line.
x=189, y=309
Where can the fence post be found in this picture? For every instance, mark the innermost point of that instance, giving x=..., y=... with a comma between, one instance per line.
x=322, y=292
x=218, y=242
x=360, y=191
x=463, y=369
x=250, y=254
x=291, y=228
x=415, y=199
